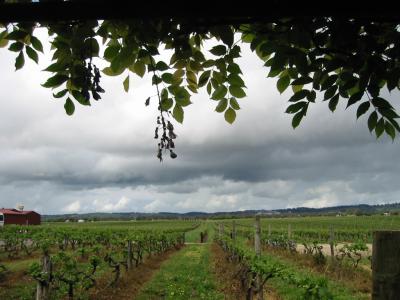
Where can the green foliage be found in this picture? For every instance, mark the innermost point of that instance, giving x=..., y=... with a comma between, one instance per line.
x=268, y=267
x=352, y=252
x=350, y=59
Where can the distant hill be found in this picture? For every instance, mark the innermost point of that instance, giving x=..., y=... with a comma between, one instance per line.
x=361, y=209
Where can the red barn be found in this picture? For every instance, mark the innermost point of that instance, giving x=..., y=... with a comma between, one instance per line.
x=19, y=217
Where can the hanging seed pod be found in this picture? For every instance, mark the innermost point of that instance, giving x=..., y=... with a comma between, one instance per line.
x=173, y=154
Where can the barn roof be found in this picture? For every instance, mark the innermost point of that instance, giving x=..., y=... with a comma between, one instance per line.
x=13, y=211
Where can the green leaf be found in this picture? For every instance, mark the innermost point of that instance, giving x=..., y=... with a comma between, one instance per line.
x=32, y=54
x=208, y=63
x=393, y=79
x=283, y=83
x=60, y=94
x=381, y=103
x=167, y=78
x=330, y=92
x=333, y=102
x=166, y=104
x=237, y=91
x=178, y=74
x=17, y=35
x=139, y=68
x=126, y=84
x=219, y=93
x=389, y=129
x=226, y=35
x=36, y=43
x=192, y=87
x=69, y=107
x=123, y=60
x=297, y=119
x=191, y=78
x=56, y=67
x=234, y=79
x=19, y=61
x=234, y=104
x=354, y=98
x=328, y=82
x=372, y=120
x=177, y=113
x=302, y=80
x=230, y=115
x=362, y=109
x=156, y=80
x=92, y=47
x=299, y=95
x=297, y=88
x=209, y=88
x=294, y=108
x=161, y=66
x=388, y=113
x=182, y=97
x=204, y=77
x=219, y=50
x=55, y=81
x=222, y=105
x=3, y=40
x=380, y=127
x=109, y=72
x=234, y=68
x=395, y=124
x=3, y=43
x=301, y=63
x=16, y=47
x=311, y=96
x=80, y=98
x=111, y=52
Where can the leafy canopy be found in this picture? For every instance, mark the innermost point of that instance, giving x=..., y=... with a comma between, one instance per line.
x=341, y=59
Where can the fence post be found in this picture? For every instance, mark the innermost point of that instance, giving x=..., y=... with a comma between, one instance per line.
x=331, y=239
x=386, y=265
x=289, y=231
x=269, y=230
x=42, y=288
x=220, y=231
x=257, y=248
x=129, y=256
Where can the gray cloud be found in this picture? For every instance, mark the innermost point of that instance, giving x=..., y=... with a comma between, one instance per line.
x=103, y=157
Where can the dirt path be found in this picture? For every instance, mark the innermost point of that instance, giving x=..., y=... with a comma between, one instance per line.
x=228, y=283
x=131, y=283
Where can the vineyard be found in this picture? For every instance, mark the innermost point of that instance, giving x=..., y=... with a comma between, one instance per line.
x=268, y=258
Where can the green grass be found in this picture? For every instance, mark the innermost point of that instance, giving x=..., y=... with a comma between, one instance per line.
x=186, y=275
x=193, y=236
x=21, y=291
x=19, y=265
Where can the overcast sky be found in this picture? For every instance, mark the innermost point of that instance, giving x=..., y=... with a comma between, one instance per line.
x=103, y=158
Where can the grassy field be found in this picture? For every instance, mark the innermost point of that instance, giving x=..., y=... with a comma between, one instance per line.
x=186, y=272
x=184, y=276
